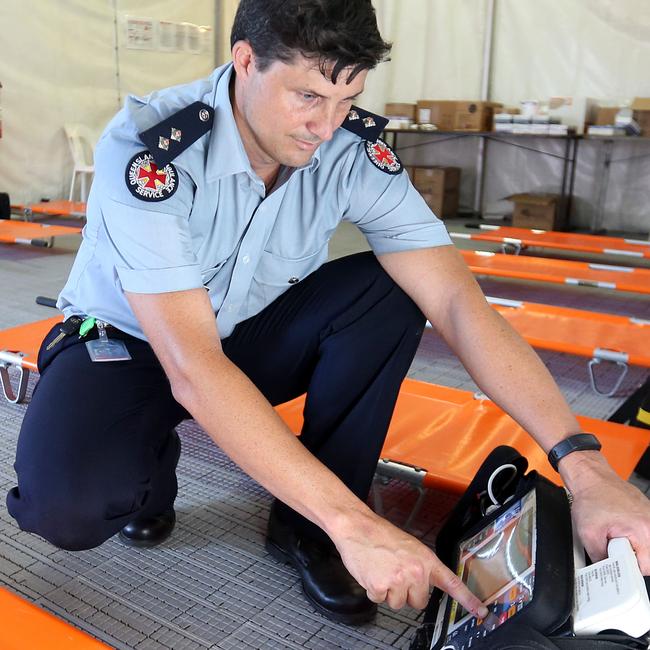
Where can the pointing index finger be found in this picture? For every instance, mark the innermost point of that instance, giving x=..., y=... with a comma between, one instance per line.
x=449, y=582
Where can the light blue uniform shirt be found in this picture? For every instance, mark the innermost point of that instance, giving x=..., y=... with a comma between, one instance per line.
x=218, y=229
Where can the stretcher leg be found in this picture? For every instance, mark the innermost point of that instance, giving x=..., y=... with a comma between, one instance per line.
x=511, y=248
x=617, y=384
x=8, y=359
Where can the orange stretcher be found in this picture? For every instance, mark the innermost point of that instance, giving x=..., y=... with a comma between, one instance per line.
x=517, y=239
x=60, y=208
x=24, y=625
x=582, y=274
x=19, y=349
x=36, y=234
x=439, y=436
x=602, y=337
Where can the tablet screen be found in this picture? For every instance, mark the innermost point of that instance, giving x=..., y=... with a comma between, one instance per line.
x=498, y=565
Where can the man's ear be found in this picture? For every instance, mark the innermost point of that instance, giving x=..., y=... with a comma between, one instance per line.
x=243, y=58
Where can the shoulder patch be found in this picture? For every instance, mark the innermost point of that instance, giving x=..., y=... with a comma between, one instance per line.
x=383, y=157
x=172, y=136
x=149, y=182
x=365, y=124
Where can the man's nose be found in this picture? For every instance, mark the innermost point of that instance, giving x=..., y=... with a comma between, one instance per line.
x=324, y=123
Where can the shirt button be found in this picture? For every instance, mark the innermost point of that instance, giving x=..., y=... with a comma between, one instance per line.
x=229, y=308
x=294, y=280
x=246, y=259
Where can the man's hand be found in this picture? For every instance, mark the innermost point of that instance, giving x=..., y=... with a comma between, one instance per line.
x=605, y=507
x=396, y=568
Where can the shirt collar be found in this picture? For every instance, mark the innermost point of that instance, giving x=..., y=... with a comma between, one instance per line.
x=226, y=153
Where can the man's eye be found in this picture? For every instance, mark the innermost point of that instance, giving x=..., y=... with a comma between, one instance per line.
x=308, y=97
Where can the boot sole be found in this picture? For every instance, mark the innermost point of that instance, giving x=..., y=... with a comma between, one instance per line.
x=348, y=619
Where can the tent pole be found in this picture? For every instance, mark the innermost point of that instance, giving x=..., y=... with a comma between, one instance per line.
x=485, y=96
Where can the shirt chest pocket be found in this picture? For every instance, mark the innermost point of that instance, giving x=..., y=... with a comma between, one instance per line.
x=277, y=271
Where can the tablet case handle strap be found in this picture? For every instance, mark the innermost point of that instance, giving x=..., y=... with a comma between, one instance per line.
x=467, y=511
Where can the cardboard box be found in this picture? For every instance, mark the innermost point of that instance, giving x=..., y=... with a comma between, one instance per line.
x=537, y=210
x=439, y=187
x=641, y=111
x=605, y=115
x=438, y=179
x=396, y=110
x=438, y=112
x=442, y=205
x=475, y=116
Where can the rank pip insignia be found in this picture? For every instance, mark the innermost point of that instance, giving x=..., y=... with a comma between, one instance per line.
x=147, y=182
x=383, y=157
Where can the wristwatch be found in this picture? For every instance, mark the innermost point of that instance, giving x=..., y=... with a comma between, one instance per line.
x=576, y=442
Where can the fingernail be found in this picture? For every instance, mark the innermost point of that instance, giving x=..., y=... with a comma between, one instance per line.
x=482, y=611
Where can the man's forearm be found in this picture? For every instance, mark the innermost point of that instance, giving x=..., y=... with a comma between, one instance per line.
x=508, y=371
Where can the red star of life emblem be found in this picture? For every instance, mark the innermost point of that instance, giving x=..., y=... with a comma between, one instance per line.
x=383, y=157
x=153, y=177
x=146, y=181
x=383, y=154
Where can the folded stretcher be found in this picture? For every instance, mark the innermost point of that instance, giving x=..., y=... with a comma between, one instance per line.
x=19, y=349
x=602, y=337
x=439, y=436
x=24, y=625
x=582, y=274
x=61, y=208
x=36, y=234
x=516, y=239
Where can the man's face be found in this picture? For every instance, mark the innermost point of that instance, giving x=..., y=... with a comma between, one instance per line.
x=290, y=109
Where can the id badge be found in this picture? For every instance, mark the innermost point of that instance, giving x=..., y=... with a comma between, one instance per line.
x=105, y=349
x=109, y=350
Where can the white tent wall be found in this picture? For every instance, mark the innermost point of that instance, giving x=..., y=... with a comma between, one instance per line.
x=576, y=48
x=59, y=65
x=542, y=48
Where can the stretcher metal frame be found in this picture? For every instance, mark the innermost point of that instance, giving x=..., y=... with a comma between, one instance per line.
x=19, y=350
x=514, y=240
x=34, y=234
x=604, y=338
x=439, y=436
x=59, y=208
x=578, y=274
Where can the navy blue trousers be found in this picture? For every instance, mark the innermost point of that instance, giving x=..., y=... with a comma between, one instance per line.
x=97, y=447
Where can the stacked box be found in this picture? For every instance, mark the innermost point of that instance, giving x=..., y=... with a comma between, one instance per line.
x=399, y=110
x=439, y=187
x=441, y=113
x=641, y=108
x=537, y=210
x=475, y=116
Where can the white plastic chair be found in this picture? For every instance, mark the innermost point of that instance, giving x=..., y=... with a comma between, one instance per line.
x=81, y=143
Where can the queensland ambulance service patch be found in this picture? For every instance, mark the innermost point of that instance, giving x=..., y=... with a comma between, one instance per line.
x=149, y=183
x=383, y=157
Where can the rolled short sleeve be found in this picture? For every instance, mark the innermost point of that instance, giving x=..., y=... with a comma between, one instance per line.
x=388, y=210
x=149, y=241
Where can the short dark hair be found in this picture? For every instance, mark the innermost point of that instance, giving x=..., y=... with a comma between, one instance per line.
x=338, y=33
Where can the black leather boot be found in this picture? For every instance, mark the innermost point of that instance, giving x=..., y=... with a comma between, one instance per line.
x=149, y=531
x=326, y=582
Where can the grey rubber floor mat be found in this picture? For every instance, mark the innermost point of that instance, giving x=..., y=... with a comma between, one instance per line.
x=436, y=363
x=212, y=585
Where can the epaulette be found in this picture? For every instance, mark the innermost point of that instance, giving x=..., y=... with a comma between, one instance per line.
x=364, y=124
x=169, y=138
x=369, y=127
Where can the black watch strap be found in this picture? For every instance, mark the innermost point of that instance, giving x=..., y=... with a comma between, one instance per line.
x=576, y=442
